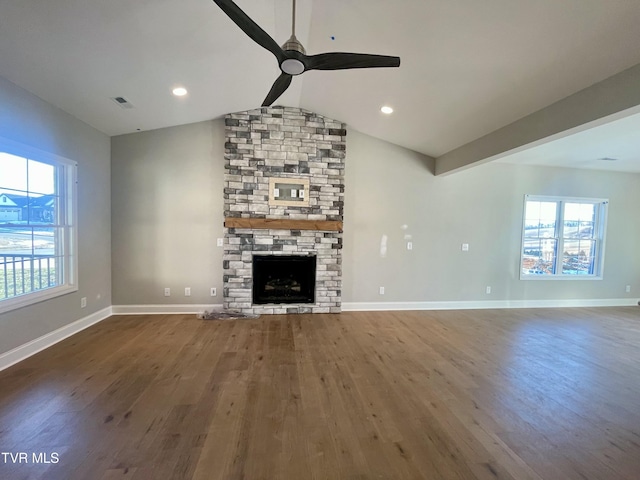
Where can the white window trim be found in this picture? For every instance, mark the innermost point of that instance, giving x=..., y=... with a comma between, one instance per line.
x=70, y=208
x=602, y=211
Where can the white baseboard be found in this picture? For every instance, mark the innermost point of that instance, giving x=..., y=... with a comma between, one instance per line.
x=479, y=305
x=34, y=346
x=161, y=309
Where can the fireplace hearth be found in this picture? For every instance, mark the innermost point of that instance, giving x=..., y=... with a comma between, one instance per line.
x=286, y=279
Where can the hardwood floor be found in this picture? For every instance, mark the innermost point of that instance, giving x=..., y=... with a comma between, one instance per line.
x=508, y=394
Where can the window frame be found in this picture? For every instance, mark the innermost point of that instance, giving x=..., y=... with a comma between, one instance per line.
x=600, y=228
x=67, y=190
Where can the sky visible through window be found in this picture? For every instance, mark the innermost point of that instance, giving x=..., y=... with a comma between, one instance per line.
x=19, y=175
x=579, y=211
x=541, y=213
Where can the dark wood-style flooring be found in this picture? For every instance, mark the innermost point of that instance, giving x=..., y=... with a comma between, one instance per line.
x=492, y=394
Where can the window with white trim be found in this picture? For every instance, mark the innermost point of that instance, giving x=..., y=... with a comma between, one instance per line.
x=563, y=237
x=37, y=226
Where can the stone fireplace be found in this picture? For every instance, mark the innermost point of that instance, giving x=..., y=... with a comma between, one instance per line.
x=283, y=197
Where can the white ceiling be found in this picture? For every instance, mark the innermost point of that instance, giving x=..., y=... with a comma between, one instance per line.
x=468, y=67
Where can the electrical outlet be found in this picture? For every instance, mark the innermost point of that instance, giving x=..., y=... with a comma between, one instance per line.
x=465, y=247
x=187, y=291
x=214, y=292
x=167, y=292
x=628, y=289
x=220, y=242
x=83, y=302
x=381, y=290
x=488, y=290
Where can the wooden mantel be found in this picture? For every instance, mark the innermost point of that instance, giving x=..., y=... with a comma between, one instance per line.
x=283, y=224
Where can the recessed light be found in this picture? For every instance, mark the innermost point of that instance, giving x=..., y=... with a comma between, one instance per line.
x=386, y=110
x=180, y=91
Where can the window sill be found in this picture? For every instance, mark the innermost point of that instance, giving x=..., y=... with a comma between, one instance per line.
x=561, y=277
x=22, y=301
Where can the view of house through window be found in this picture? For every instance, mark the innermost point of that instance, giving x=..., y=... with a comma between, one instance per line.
x=563, y=237
x=35, y=226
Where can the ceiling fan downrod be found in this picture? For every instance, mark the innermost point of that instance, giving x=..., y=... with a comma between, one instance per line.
x=293, y=43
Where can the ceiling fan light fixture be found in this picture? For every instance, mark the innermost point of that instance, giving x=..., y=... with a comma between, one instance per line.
x=292, y=66
x=387, y=110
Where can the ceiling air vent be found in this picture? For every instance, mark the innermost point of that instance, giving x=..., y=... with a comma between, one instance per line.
x=123, y=102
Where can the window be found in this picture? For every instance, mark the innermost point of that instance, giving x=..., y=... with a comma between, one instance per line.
x=37, y=226
x=563, y=237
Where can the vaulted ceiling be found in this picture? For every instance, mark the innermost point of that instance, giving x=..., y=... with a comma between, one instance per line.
x=468, y=67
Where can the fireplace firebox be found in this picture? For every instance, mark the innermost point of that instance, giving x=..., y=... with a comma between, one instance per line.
x=284, y=279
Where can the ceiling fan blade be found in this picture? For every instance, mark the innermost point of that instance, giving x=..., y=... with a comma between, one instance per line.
x=342, y=61
x=279, y=86
x=251, y=28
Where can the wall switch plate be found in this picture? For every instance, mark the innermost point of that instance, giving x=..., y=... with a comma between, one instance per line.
x=83, y=302
x=628, y=289
x=409, y=245
x=488, y=290
x=167, y=292
x=381, y=290
x=220, y=242
x=213, y=291
x=465, y=247
x=187, y=291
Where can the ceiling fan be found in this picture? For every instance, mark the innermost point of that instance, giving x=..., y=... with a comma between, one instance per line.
x=292, y=57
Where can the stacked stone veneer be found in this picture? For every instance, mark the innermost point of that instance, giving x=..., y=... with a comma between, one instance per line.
x=287, y=143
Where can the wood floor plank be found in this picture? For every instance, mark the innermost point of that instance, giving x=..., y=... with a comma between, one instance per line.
x=530, y=394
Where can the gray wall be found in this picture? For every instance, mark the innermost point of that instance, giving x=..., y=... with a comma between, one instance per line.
x=388, y=186
x=167, y=213
x=29, y=120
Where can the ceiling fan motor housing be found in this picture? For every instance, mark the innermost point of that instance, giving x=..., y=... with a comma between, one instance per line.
x=294, y=44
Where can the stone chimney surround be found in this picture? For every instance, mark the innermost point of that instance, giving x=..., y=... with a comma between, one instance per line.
x=283, y=143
